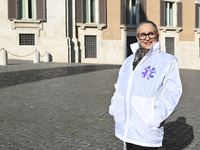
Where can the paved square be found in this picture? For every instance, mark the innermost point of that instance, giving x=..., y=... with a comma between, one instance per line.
x=61, y=107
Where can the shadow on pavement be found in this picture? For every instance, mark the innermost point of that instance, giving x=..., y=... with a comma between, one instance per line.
x=18, y=62
x=19, y=77
x=178, y=134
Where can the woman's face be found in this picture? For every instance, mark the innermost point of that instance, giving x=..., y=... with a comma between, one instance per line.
x=147, y=36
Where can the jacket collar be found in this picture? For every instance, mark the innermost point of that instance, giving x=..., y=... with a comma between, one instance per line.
x=154, y=48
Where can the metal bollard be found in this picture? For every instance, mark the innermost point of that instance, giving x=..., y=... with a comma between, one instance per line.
x=46, y=57
x=36, y=58
x=3, y=57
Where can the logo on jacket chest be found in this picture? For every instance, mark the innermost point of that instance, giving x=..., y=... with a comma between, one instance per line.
x=149, y=72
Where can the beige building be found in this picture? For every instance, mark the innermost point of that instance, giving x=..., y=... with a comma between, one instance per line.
x=27, y=25
x=98, y=31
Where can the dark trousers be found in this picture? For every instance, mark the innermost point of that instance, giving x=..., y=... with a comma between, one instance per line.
x=130, y=146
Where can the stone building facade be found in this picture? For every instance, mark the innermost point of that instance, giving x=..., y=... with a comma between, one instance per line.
x=98, y=31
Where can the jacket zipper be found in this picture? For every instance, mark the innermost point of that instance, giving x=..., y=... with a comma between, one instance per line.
x=128, y=95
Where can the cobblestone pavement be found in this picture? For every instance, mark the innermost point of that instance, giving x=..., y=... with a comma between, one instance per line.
x=65, y=107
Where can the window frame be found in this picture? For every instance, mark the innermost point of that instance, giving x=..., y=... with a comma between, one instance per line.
x=25, y=9
x=197, y=16
x=171, y=50
x=177, y=16
x=40, y=11
x=17, y=23
x=27, y=39
x=88, y=53
x=141, y=12
x=101, y=15
x=90, y=12
x=170, y=18
x=130, y=14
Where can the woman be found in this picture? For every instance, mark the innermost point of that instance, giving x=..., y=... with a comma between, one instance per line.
x=148, y=90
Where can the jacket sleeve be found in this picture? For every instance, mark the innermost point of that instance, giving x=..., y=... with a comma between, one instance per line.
x=116, y=87
x=168, y=100
x=119, y=74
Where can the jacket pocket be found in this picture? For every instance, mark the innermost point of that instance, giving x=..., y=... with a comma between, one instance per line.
x=117, y=109
x=142, y=110
x=142, y=124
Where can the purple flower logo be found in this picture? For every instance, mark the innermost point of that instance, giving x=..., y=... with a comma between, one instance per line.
x=149, y=72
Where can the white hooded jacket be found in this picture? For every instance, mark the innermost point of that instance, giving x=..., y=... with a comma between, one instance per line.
x=145, y=97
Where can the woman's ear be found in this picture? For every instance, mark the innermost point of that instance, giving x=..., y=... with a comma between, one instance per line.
x=138, y=39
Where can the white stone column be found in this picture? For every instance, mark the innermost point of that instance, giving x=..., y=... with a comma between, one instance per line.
x=3, y=57
x=46, y=57
x=36, y=58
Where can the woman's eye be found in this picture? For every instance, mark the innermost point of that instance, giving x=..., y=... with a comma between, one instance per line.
x=142, y=34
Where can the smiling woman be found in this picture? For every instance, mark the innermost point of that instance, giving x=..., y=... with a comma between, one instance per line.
x=148, y=91
x=144, y=29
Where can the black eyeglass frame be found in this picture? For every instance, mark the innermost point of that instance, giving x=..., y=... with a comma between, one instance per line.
x=154, y=32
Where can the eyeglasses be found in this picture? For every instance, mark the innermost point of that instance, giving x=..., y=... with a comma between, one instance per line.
x=151, y=35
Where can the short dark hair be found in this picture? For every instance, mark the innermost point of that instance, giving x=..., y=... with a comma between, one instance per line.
x=145, y=22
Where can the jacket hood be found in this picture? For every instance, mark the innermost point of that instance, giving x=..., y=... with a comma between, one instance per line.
x=154, y=48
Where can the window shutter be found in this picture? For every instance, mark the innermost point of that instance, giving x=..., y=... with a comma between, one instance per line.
x=169, y=42
x=123, y=12
x=12, y=9
x=40, y=6
x=143, y=16
x=162, y=13
x=79, y=11
x=102, y=11
x=196, y=15
x=179, y=14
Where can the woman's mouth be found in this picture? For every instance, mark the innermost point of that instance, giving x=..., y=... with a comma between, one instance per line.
x=148, y=43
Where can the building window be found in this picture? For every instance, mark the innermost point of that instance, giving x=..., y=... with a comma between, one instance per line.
x=197, y=15
x=26, y=39
x=90, y=46
x=169, y=44
x=27, y=9
x=89, y=11
x=169, y=13
x=131, y=12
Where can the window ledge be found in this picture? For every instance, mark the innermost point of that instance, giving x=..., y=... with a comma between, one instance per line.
x=197, y=30
x=91, y=25
x=165, y=29
x=26, y=23
x=125, y=27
